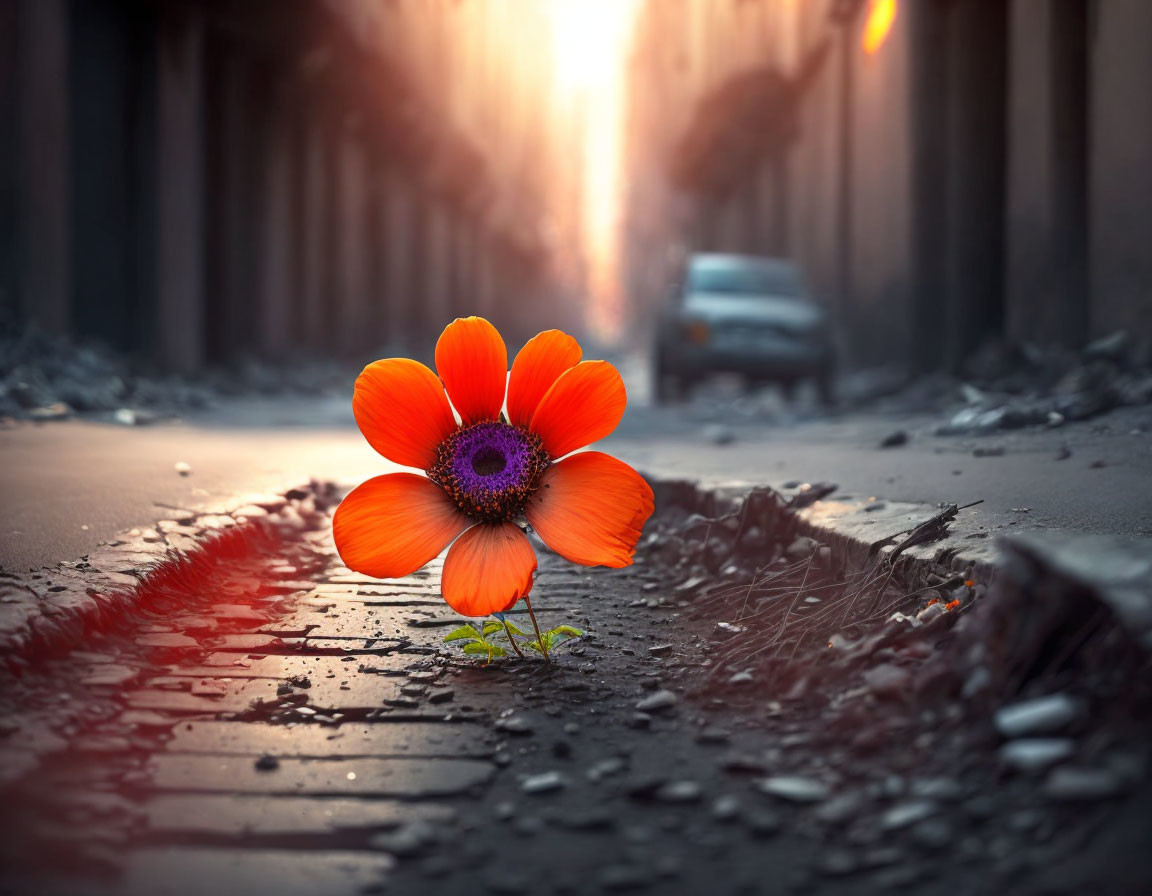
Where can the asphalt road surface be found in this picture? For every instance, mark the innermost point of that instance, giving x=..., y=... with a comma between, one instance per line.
x=67, y=486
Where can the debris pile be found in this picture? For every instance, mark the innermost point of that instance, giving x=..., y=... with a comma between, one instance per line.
x=45, y=378
x=921, y=704
x=1011, y=386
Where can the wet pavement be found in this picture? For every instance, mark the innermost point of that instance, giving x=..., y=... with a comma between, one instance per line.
x=272, y=722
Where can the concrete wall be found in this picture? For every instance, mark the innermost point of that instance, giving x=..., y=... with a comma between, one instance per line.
x=987, y=173
x=1120, y=149
x=43, y=177
x=849, y=204
x=198, y=183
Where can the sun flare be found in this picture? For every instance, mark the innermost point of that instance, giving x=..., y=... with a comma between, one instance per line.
x=590, y=42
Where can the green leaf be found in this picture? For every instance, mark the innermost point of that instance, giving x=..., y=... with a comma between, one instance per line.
x=485, y=648
x=512, y=627
x=465, y=632
x=569, y=630
x=490, y=627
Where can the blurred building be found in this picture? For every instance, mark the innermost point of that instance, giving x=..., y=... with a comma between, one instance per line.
x=199, y=181
x=947, y=171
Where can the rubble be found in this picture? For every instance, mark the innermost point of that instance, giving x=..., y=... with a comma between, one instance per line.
x=47, y=378
x=1004, y=387
x=1043, y=715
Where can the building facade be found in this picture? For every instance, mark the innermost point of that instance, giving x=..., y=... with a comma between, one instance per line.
x=196, y=182
x=947, y=171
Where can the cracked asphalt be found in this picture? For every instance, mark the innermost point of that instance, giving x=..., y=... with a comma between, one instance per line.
x=277, y=723
x=68, y=486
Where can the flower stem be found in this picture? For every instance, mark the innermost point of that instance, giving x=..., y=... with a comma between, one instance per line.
x=512, y=640
x=539, y=637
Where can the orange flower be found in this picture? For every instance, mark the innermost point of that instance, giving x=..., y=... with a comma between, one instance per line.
x=491, y=468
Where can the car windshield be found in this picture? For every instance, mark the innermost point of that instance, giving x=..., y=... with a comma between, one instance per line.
x=762, y=278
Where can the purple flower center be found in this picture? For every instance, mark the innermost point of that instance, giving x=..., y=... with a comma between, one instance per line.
x=490, y=469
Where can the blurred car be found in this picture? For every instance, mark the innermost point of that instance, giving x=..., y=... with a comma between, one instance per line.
x=747, y=315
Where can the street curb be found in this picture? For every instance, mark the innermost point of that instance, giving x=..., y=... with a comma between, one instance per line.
x=1042, y=577
x=56, y=609
x=854, y=535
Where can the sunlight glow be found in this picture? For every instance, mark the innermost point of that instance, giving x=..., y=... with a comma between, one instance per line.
x=590, y=43
x=881, y=16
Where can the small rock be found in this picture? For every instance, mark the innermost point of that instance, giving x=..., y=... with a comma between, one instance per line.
x=947, y=789
x=267, y=763
x=742, y=764
x=904, y=814
x=679, y=792
x=133, y=417
x=183, y=468
x=933, y=834
x=802, y=547
x=58, y=410
x=725, y=808
x=657, y=702
x=1108, y=348
x=887, y=680
x=713, y=735
x=840, y=809
x=744, y=677
x=989, y=451
x=795, y=788
x=728, y=630
x=1032, y=755
x=1074, y=784
x=409, y=840
x=443, y=695
x=894, y=439
x=605, y=769
x=515, y=725
x=644, y=786
x=930, y=612
x=544, y=783
x=1044, y=715
x=659, y=649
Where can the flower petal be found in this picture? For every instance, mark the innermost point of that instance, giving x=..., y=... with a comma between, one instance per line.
x=488, y=569
x=473, y=363
x=537, y=366
x=590, y=508
x=583, y=406
x=392, y=525
x=402, y=410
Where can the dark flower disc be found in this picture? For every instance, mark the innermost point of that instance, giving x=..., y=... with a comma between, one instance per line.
x=490, y=469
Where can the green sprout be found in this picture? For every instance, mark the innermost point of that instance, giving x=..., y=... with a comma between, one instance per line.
x=479, y=641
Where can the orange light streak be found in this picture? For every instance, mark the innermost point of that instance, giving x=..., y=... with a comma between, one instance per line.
x=590, y=40
x=881, y=16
